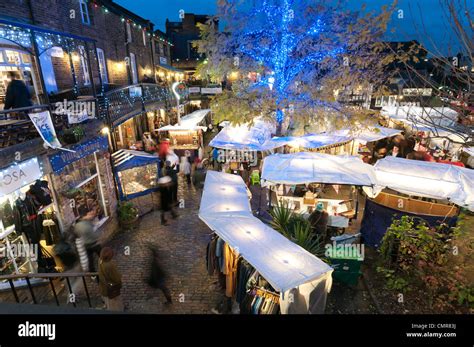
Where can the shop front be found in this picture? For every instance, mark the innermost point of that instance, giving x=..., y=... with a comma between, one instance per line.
x=84, y=183
x=29, y=225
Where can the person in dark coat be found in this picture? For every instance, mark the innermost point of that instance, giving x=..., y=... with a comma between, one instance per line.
x=17, y=94
x=165, y=185
x=319, y=221
x=158, y=277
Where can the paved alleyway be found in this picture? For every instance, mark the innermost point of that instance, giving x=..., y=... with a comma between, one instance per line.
x=182, y=247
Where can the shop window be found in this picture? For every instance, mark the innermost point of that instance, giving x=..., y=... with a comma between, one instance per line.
x=129, y=32
x=84, y=66
x=139, y=179
x=81, y=190
x=133, y=68
x=102, y=65
x=85, y=12
x=13, y=57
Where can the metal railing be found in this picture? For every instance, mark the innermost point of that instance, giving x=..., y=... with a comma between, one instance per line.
x=125, y=102
x=50, y=277
x=112, y=107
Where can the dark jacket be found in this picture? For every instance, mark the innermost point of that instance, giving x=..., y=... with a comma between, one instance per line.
x=17, y=95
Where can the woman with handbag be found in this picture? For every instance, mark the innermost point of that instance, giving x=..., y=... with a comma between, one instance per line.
x=110, y=280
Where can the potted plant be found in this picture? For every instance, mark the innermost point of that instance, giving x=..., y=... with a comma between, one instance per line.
x=73, y=135
x=127, y=215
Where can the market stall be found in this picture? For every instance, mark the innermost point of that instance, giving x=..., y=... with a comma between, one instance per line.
x=301, y=180
x=321, y=143
x=136, y=173
x=188, y=135
x=240, y=148
x=432, y=191
x=298, y=282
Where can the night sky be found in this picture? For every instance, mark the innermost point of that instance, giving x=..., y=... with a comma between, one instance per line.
x=423, y=20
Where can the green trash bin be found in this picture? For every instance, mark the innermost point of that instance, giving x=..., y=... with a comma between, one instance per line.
x=346, y=269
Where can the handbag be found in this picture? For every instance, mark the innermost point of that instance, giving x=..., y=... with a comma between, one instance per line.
x=112, y=289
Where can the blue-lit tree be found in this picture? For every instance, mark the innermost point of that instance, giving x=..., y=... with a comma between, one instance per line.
x=287, y=57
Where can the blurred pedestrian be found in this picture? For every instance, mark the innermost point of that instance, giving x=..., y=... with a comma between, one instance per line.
x=17, y=94
x=87, y=239
x=187, y=170
x=157, y=277
x=165, y=185
x=110, y=280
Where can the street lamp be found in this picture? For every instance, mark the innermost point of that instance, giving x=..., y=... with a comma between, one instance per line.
x=178, y=97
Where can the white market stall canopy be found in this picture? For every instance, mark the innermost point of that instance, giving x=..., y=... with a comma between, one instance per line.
x=369, y=134
x=281, y=262
x=427, y=179
x=307, y=167
x=307, y=141
x=189, y=122
x=242, y=137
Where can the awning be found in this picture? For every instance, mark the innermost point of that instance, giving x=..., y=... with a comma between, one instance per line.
x=370, y=134
x=125, y=159
x=281, y=262
x=245, y=138
x=170, y=68
x=189, y=122
x=310, y=141
x=307, y=167
x=427, y=179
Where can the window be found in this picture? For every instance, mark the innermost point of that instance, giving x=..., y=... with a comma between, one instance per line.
x=84, y=66
x=162, y=50
x=133, y=68
x=144, y=37
x=129, y=33
x=84, y=12
x=102, y=65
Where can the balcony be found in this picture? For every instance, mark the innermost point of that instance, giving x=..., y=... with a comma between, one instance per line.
x=124, y=103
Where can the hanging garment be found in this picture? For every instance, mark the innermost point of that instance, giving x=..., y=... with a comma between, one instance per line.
x=220, y=254
x=40, y=190
x=245, y=270
x=26, y=219
x=231, y=260
x=50, y=230
x=6, y=214
x=211, y=259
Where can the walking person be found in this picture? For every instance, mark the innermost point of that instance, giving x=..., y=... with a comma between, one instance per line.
x=199, y=176
x=169, y=171
x=157, y=277
x=17, y=94
x=187, y=170
x=165, y=185
x=87, y=238
x=110, y=280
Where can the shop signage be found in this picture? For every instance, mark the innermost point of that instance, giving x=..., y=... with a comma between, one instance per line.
x=19, y=175
x=417, y=91
x=163, y=60
x=194, y=90
x=43, y=123
x=60, y=160
x=215, y=90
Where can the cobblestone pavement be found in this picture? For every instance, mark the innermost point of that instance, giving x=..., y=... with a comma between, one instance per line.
x=181, y=247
